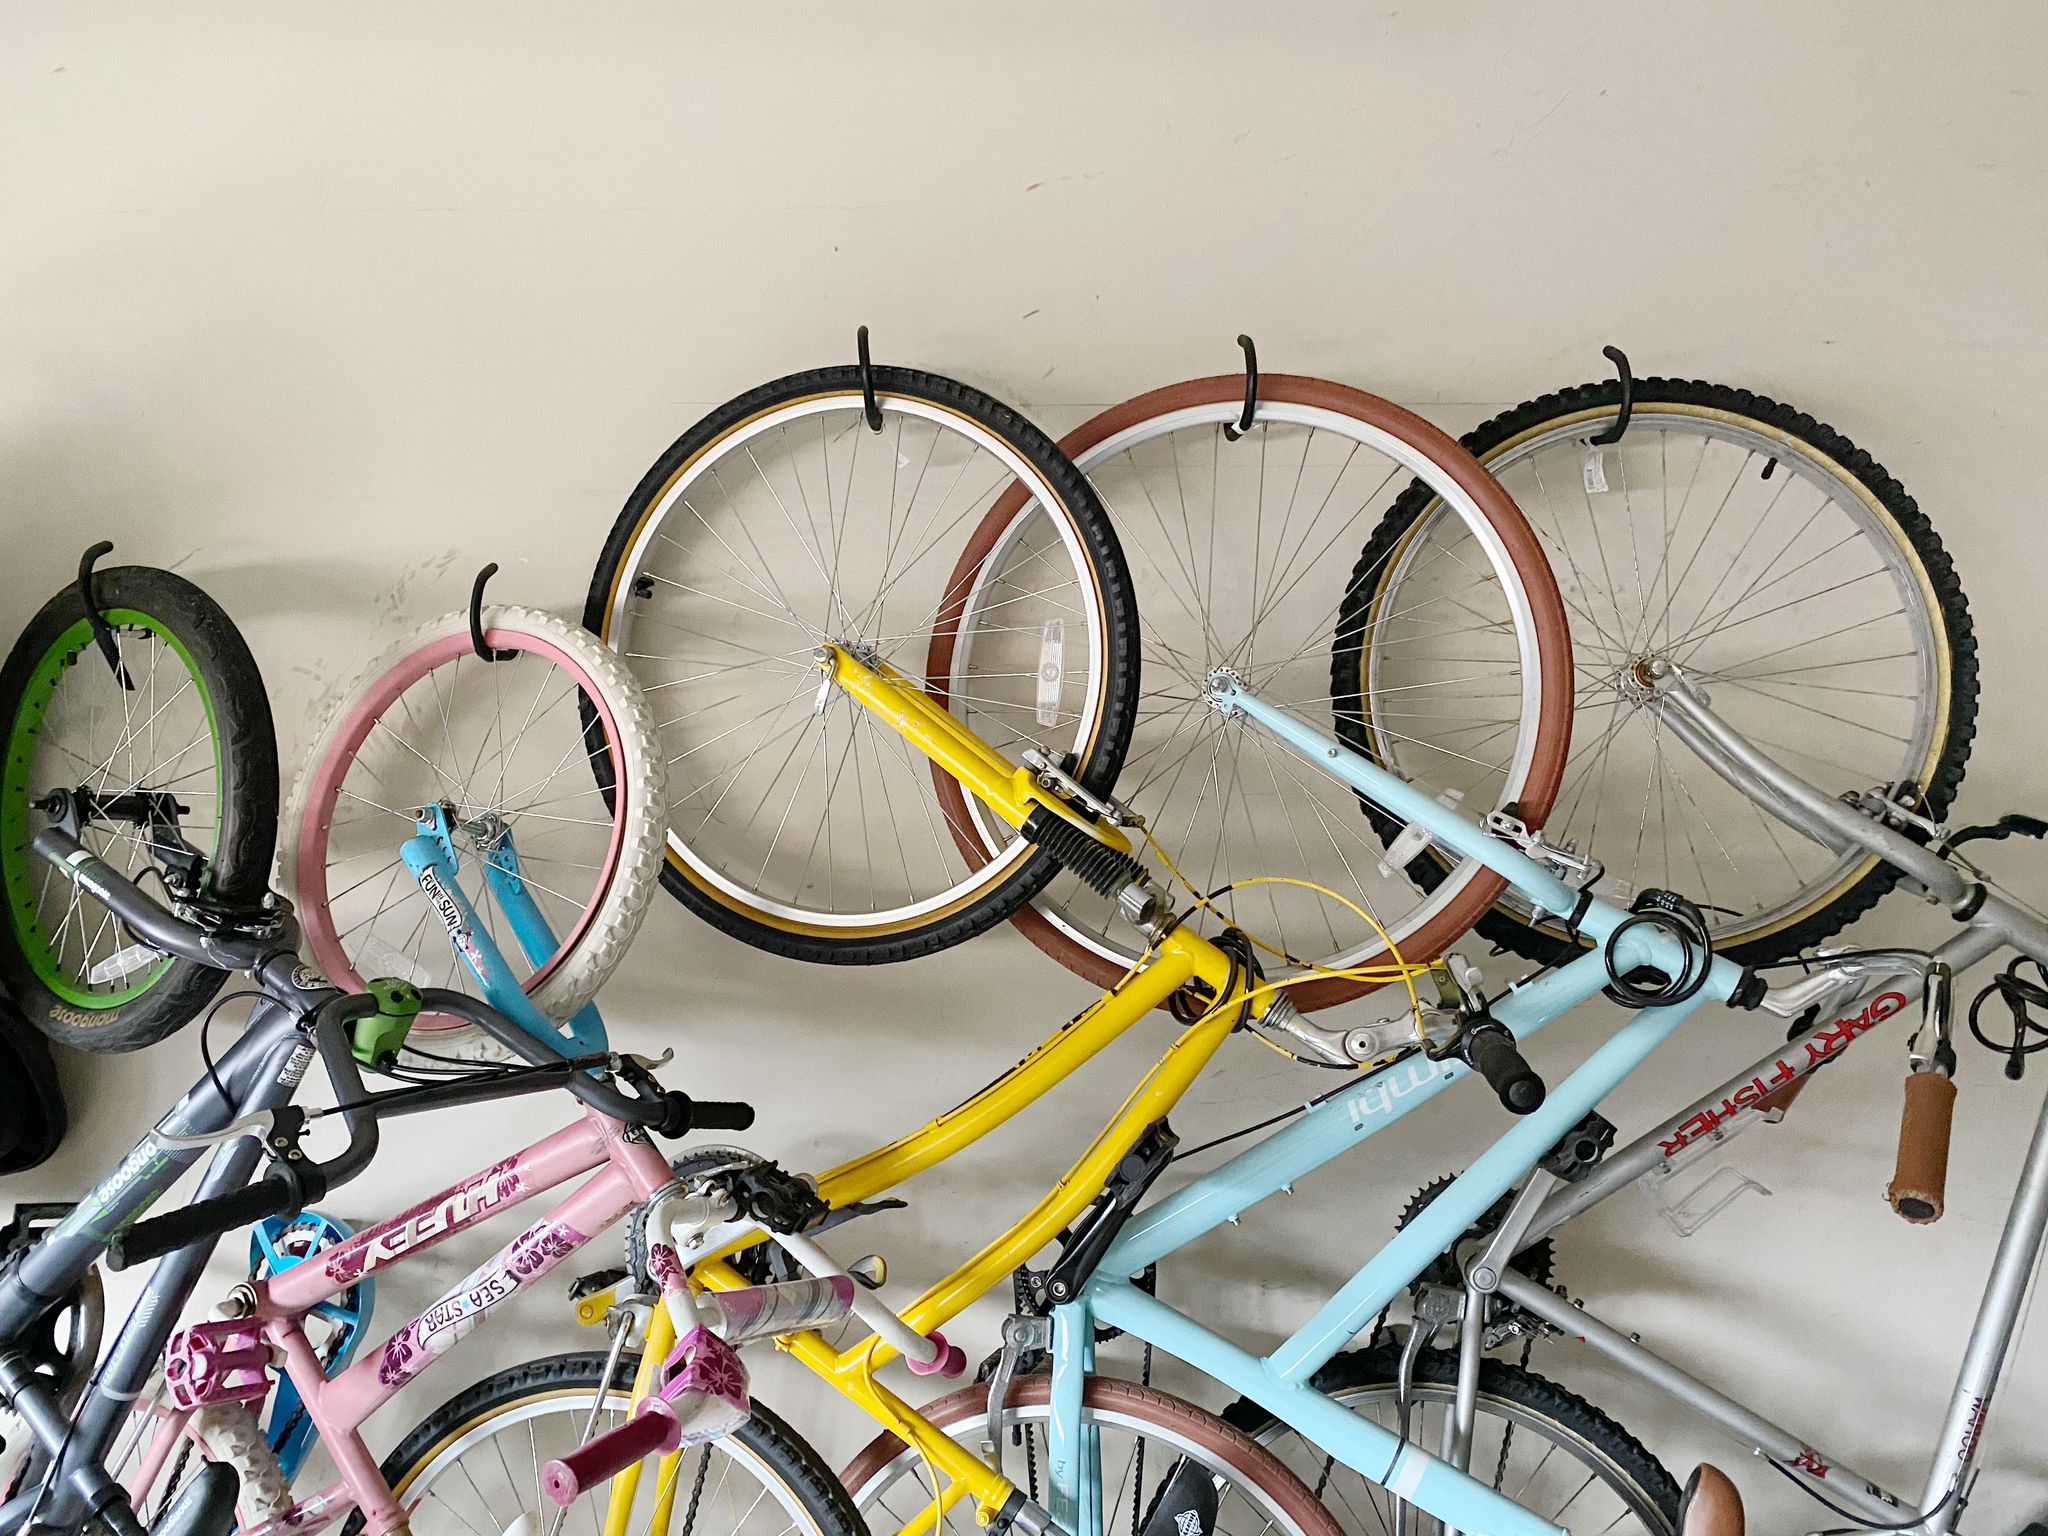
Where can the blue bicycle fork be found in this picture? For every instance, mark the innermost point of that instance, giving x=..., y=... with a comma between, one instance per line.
x=432, y=857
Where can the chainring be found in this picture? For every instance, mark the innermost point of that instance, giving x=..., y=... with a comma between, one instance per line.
x=754, y=1263
x=1538, y=1261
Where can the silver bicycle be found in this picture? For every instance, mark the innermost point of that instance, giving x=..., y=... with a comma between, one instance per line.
x=1496, y=1289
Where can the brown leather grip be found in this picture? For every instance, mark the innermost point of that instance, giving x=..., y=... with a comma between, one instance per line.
x=1710, y=1505
x=1920, y=1181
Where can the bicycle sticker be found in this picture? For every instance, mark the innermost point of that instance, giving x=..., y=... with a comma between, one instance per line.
x=295, y=1065
x=1595, y=471
x=81, y=876
x=100, y=1213
x=461, y=1310
x=450, y=914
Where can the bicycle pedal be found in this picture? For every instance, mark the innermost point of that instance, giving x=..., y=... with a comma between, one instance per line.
x=597, y=1280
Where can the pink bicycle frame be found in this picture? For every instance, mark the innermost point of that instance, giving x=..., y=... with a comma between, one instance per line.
x=629, y=1171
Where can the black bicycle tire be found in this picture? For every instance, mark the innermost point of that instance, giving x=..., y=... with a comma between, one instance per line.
x=765, y=1433
x=1537, y=1395
x=1097, y=771
x=238, y=873
x=1501, y=925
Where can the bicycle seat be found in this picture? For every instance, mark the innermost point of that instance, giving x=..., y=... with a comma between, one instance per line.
x=1710, y=1505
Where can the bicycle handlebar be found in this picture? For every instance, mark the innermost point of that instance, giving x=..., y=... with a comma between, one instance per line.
x=143, y=914
x=272, y=1195
x=665, y=1112
x=293, y=1182
x=653, y=1432
x=1919, y=1186
x=1493, y=1054
x=290, y=1184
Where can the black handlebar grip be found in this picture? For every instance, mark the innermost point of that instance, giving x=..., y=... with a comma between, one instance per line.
x=720, y=1115
x=1493, y=1054
x=159, y=1235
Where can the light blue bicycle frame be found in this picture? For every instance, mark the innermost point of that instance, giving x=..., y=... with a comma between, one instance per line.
x=1280, y=1381
x=431, y=856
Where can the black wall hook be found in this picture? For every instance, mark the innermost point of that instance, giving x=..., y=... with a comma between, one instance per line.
x=1251, y=390
x=476, y=618
x=867, y=382
x=1628, y=398
x=97, y=621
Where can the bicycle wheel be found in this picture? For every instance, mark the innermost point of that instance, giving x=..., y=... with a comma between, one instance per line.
x=1146, y=1438
x=542, y=771
x=474, y=1465
x=1230, y=540
x=1549, y=1450
x=782, y=521
x=189, y=746
x=1783, y=568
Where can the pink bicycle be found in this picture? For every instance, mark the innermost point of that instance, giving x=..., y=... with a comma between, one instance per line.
x=193, y=1462
x=214, y=1372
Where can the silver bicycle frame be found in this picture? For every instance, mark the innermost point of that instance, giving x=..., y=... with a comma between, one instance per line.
x=259, y=1071
x=1990, y=923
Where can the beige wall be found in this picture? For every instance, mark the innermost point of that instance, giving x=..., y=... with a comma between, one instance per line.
x=326, y=306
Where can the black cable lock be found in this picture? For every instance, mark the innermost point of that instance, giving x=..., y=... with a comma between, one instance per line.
x=1645, y=986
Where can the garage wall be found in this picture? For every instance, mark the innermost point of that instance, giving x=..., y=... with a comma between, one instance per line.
x=325, y=307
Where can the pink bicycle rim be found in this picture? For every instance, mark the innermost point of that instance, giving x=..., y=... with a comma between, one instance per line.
x=332, y=769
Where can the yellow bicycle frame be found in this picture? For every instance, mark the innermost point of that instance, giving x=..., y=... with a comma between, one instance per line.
x=1013, y=793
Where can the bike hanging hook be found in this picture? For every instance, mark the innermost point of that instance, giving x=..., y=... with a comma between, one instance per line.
x=1628, y=398
x=869, y=407
x=102, y=631
x=476, y=618
x=1251, y=390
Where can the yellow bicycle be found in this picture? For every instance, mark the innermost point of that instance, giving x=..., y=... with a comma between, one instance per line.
x=1220, y=980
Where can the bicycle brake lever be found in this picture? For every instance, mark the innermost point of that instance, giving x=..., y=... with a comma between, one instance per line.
x=265, y=1125
x=2014, y=824
x=840, y=1215
x=646, y=1063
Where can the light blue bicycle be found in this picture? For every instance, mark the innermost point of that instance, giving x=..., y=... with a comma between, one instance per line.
x=1654, y=958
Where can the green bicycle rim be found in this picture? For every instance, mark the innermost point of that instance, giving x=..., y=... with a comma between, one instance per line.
x=22, y=732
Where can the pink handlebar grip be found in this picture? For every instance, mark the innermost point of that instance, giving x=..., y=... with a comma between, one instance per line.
x=950, y=1361
x=651, y=1431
